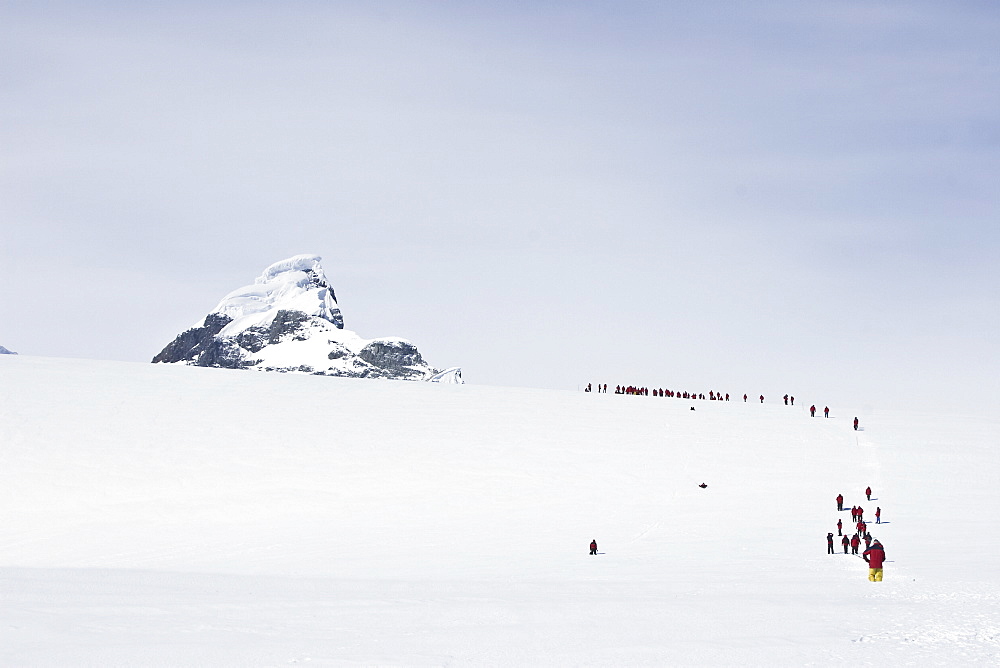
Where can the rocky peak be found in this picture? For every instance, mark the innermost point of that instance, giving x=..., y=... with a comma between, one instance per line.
x=288, y=321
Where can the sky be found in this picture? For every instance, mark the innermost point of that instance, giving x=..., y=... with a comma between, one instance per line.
x=748, y=197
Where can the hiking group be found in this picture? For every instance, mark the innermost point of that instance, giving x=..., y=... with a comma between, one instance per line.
x=874, y=553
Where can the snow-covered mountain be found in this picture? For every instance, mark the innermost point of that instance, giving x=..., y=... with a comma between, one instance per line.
x=288, y=320
x=4, y=351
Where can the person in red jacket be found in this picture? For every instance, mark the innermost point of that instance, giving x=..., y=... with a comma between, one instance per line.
x=840, y=525
x=861, y=513
x=593, y=546
x=855, y=542
x=812, y=411
x=868, y=540
x=829, y=543
x=855, y=424
x=854, y=513
x=868, y=493
x=840, y=502
x=878, y=515
x=846, y=542
x=874, y=555
x=826, y=411
x=862, y=527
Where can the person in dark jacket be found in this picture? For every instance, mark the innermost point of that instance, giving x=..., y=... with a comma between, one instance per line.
x=855, y=543
x=855, y=424
x=812, y=411
x=829, y=543
x=868, y=540
x=868, y=493
x=874, y=555
x=846, y=542
x=593, y=546
x=840, y=526
x=840, y=502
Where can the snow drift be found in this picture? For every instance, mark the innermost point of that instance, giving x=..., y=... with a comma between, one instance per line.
x=163, y=515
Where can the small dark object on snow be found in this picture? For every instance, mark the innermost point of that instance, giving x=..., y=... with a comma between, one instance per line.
x=703, y=485
x=692, y=408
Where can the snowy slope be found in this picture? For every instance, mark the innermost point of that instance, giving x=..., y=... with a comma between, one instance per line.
x=287, y=320
x=168, y=515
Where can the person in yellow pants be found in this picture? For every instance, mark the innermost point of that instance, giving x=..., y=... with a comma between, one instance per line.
x=874, y=555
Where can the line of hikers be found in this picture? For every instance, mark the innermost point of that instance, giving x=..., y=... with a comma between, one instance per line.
x=874, y=553
x=635, y=390
x=640, y=391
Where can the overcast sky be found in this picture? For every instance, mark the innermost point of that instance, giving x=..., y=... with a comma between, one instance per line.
x=763, y=196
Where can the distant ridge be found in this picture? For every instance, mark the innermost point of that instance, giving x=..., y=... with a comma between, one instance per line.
x=4, y=351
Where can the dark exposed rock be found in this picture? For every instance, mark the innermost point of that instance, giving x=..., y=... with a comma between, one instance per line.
x=393, y=356
x=338, y=351
x=192, y=344
x=223, y=353
x=289, y=322
x=253, y=339
x=4, y=351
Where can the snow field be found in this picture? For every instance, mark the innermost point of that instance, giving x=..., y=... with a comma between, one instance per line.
x=162, y=515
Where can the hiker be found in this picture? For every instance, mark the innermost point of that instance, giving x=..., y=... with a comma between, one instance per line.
x=878, y=515
x=840, y=502
x=846, y=542
x=854, y=513
x=829, y=543
x=840, y=525
x=868, y=540
x=826, y=411
x=855, y=424
x=855, y=542
x=593, y=546
x=812, y=411
x=868, y=493
x=874, y=555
